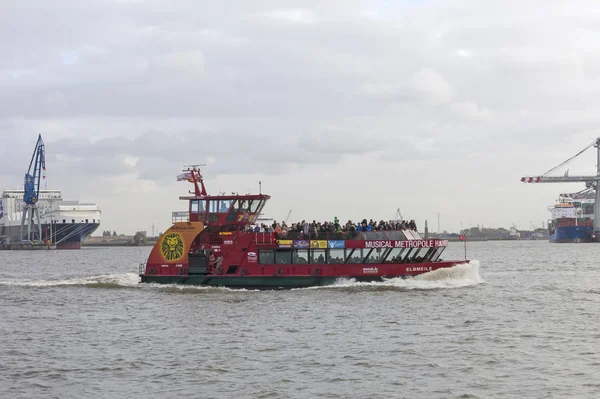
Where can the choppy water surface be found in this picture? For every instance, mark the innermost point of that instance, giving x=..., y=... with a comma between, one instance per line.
x=520, y=322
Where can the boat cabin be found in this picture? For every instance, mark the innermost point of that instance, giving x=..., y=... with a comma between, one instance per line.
x=226, y=210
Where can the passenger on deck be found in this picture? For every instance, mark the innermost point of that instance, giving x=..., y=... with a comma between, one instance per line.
x=412, y=225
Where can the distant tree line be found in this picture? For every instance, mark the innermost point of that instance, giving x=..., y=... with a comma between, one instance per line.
x=107, y=233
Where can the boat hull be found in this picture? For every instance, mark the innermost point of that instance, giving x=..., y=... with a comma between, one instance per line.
x=65, y=235
x=573, y=234
x=277, y=282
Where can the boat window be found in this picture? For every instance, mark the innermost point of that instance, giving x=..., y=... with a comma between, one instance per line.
x=317, y=256
x=283, y=257
x=213, y=206
x=231, y=217
x=266, y=256
x=373, y=255
x=201, y=206
x=407, y=255
x=393, y=256
x=429, y=254
x=354, y=256
x=242, y=205
x=224, y=205
x=300, y=256
x=415, y=256
x=261, y=206
x=336, y=256
x=254, y=206
x=195, y=206
x=437, y=254
x=232, y=269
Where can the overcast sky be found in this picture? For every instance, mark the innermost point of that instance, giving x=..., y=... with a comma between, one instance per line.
x=341, y=108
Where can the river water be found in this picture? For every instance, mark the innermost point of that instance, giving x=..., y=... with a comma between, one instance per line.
x=520, y=322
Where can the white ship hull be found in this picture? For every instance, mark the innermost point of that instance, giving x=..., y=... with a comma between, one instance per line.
x=64, y=223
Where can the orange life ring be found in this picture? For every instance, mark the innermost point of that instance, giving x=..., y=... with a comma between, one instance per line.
x=151, y=271
x=279, y=272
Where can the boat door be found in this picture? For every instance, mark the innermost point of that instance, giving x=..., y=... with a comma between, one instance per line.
x=198, y=262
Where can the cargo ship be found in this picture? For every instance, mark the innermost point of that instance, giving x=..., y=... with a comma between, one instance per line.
x=64, y=224
x=572, y=218
x=217, y=242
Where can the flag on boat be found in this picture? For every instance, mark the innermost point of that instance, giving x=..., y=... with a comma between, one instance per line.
x=187, y=176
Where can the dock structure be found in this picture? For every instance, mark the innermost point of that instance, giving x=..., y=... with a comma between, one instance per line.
x=26, y=246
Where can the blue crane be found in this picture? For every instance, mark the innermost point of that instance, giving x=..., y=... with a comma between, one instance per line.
x=37, y=166
x=31, y=191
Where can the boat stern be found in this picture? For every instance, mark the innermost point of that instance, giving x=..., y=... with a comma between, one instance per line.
x=169, y=255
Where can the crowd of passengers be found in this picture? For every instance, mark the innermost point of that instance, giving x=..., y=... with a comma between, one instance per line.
x=315, y=228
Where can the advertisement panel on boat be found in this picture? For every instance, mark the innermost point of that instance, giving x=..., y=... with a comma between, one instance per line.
x=301, y=243
x=318, y=244
x=396, y=243
x=336, y=244
x=284, y=243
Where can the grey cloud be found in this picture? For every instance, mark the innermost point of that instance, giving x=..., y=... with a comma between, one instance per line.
x=140, y=87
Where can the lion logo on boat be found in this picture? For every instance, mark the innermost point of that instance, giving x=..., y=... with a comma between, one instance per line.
x=172, y=246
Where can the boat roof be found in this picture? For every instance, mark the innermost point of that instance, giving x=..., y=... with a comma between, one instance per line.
x=225, y=197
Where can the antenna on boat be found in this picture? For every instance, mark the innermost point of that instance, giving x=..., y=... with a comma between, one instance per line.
x=196, y=178
x=260, y=187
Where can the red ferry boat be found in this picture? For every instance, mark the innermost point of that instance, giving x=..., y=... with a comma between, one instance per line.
x=211, y=245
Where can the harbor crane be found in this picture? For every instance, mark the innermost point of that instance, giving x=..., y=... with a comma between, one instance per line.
x=591, y=181
x=31, y=192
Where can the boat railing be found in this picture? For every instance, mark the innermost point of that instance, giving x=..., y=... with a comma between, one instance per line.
x=265, y=238
x=352, y=235
x=294, y=235
x=142, y=269
x=180, y=216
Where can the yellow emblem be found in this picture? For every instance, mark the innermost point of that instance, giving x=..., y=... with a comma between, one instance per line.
x=172, y=246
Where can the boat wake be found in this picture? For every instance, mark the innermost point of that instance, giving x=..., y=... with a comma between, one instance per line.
x=101, y=281
x=458, y=276
x=452, y=277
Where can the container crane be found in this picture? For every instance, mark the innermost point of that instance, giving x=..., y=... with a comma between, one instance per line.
x=31, y=191
x=591, y=181
x=288, y=216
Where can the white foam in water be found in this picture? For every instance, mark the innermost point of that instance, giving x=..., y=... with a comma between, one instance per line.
x=452, y=277
x=125, y=280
